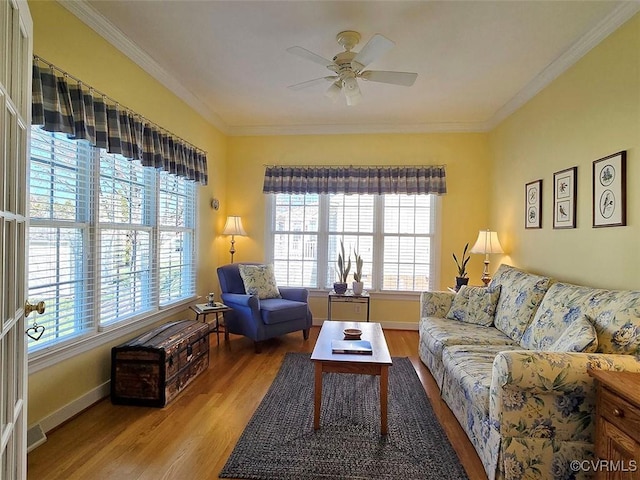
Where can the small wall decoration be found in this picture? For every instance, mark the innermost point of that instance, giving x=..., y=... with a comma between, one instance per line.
x=564, y=198
x=610, y=191
x=533, y=204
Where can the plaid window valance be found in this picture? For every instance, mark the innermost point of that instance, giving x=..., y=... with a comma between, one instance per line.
x=65, y=105
x=410, y=180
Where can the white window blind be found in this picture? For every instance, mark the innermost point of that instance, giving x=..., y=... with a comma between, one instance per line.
x=110, y=240
x=295, y=234
x=60, y=206
x=392, y=233
x=127, y=194
x=177, y=238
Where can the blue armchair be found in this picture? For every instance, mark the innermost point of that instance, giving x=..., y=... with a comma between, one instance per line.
x=266, y=318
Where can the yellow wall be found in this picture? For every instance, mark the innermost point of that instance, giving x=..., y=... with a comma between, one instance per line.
x=589, y=112
x=464, y=208
x=60, y=38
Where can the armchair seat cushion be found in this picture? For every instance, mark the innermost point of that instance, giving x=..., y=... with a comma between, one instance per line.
x=279, y=310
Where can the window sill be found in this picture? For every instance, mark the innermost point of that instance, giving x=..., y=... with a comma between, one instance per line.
x=49, y=356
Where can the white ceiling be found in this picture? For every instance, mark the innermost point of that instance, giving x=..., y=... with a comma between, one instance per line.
x=477, y=61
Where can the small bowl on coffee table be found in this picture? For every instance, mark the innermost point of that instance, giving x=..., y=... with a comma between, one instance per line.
x=352, y=333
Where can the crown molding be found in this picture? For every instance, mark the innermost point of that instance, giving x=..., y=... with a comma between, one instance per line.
x=582, y=46
x=337, y=129
x=103, y=27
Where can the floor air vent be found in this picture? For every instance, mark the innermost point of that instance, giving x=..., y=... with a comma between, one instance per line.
x=35, y=437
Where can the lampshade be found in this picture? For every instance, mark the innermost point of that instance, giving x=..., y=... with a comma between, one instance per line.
x=234, y=226
x=487, y=242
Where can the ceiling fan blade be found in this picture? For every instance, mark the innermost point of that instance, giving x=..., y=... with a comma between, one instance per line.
x=306, y=54
x=311, y=83
x=396, y=78
x=377, y=46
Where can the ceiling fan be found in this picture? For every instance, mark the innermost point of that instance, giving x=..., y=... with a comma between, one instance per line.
x=348, y=66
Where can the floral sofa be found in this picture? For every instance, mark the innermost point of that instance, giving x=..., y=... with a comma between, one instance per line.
x=512, y=362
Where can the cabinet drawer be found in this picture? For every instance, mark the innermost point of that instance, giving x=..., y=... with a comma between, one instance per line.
x=621, y=413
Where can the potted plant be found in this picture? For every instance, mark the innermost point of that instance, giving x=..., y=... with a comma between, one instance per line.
x=358, y=284
x=344, y=266
x=462, y=278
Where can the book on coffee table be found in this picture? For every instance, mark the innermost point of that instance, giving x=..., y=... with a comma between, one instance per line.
x=361, y=347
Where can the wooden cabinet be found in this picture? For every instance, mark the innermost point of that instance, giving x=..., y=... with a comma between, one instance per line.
x=617, y=442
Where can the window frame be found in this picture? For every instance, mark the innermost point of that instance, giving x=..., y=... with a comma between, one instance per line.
x=378, y=239
x=99, y=333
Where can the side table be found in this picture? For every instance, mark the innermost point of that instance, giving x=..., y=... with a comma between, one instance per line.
x=347, y=297
x=204, y=310
x=617, y=439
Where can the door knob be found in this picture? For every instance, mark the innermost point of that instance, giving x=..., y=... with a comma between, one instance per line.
x=38, y=308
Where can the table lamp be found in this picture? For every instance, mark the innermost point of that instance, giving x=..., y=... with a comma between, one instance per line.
x=487, y=243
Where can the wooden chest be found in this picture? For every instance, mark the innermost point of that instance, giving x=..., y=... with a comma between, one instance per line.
x=154, y=368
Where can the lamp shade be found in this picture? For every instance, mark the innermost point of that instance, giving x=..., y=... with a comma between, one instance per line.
x=234, y=226
x=487, y=242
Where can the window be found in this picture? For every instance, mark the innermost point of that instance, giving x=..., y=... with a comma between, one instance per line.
x=110, y=241
x=394, y=234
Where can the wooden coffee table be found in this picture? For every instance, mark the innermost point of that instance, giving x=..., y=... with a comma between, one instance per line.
x=376, y=364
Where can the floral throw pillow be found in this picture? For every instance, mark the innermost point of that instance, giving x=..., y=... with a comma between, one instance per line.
x=475, y=305
x=259, y=280
x=579, y=336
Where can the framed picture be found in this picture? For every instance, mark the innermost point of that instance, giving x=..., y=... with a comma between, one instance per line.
x=564, y=198
x=610, y=191
x=533, y=204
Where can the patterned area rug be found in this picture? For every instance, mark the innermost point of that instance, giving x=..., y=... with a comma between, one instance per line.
x=279, y=442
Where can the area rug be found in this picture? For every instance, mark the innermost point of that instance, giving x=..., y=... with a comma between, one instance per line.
x=279, y=442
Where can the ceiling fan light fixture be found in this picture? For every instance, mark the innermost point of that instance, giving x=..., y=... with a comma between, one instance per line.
x=333, y=92
x=350, y=85
x=353, y=98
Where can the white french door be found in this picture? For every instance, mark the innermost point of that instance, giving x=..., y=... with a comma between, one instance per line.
x=15, y=114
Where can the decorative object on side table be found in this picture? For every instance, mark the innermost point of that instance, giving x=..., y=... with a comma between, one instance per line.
x=344, y=266
x=487, y=243
x=462, y=278
x=533, y=204
x=564, y=198
x=610, y=191
x=233, y=227
x=358, y=284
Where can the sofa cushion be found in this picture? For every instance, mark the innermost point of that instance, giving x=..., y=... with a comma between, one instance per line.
x=617, y=320
x=520, y=295
x=469, y=368
x=438, y=333
x=579, y=336
x=475, y=305
x=615, y=315
x=259, y=280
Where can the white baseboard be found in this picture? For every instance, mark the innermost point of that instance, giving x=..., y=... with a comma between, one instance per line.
x=75, y=407
x=388, y=325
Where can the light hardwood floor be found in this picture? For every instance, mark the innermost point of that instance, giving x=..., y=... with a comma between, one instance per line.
x=192, y=437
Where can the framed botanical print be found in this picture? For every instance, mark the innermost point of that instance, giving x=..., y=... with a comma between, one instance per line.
x=564, y=198
x=610, y=191
x=533, y=204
